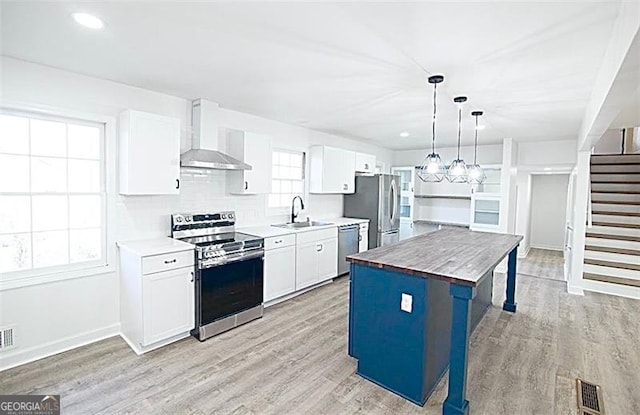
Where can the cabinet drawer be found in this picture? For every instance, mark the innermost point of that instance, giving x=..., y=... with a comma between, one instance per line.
x=279, y=241
x=317, y=235
x=364, y=226
x=164, y=262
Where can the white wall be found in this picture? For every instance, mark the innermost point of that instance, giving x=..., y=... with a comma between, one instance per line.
x=548, y=210
x=523, y=209
x=609, y=143
x=547, y=153
x=52, y=317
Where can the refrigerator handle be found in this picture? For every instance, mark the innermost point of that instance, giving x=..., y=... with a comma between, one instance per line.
x=392, y=191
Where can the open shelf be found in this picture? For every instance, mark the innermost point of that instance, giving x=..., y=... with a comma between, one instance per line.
x=458, y=197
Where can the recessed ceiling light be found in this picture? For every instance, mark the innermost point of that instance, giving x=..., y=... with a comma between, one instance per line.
x=404, y=134
x=88, y=20
x=547, y=169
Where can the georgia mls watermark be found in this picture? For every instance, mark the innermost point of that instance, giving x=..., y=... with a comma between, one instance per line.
x=29, y=404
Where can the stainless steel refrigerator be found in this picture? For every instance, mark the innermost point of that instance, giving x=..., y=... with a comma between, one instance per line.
x=377, y=198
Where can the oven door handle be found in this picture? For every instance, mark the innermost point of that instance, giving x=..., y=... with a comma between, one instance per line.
x=250, y=255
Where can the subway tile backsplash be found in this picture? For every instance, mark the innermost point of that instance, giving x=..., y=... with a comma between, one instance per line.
x=141, y=217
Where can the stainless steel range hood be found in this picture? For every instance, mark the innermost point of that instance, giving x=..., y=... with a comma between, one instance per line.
x=204, y=153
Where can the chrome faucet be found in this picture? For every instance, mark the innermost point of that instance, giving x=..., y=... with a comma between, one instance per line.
x=293, y=206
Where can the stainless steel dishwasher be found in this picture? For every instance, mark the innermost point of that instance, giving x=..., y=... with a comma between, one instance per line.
x=347, y=245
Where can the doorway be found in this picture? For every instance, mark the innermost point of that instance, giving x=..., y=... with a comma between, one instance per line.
x=406, y=199
x=548, y=227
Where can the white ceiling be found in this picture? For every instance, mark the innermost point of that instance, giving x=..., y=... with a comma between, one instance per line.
x=353, y=69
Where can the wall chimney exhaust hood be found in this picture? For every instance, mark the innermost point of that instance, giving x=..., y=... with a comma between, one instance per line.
x=204, y=151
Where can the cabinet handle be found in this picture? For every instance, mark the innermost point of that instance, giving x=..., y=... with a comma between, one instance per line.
x=366, y=166
x=279, y=241
x=167, y=261
x=246, y=185
x=177, y=183
x=192, y=275
x=345, y=186
x=359, y=238
x=319, y=247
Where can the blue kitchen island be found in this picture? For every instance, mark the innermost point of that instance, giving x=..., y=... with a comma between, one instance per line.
x=413, y=306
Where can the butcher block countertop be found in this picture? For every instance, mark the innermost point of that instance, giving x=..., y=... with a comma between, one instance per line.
x=455, y=255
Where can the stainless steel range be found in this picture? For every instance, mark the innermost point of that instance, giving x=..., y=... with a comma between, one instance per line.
x=229, y=271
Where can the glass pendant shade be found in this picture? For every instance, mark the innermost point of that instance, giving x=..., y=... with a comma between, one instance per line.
x=432, y=169
x=457, y=170
x=476, y=174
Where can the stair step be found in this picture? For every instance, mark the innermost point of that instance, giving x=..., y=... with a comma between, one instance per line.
x=616, y=177
x=611, y=250
x=613, y=213
x=613, y=280
x=619, y=192
x=614, y=237
x=612, y=264
x=616, y=202
x=615, y=168
x=634, y=220
x=613, y=243
x=615, y=158
x=612, y=207
x=617, y=225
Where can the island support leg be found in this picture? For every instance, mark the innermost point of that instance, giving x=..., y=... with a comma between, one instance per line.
x=510, y=303
x=456, y=403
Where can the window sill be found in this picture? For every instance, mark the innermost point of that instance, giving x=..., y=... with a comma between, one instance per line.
x=25, y=281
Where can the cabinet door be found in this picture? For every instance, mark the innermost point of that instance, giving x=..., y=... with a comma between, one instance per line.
x=306, y=265
x=150, y=154
x=364, y=240
x=279, y=272
x=167, y=304
x=365, y=163
x=257, y=153
x=338, y=168
x=327, y=258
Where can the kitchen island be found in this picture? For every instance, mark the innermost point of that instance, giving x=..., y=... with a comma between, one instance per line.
x=414, y=304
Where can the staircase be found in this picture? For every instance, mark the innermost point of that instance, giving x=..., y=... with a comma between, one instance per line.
x=612, y=251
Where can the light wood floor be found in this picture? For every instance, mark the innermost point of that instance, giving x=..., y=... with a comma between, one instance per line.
x=294, y=361
x=543, y=263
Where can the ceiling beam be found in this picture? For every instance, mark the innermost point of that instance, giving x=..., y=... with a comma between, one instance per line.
x=618, y=80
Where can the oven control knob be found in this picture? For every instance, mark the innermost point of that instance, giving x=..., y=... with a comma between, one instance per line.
x=187, y=219
x=178, y=219
x=224, y=216
x=230, y=215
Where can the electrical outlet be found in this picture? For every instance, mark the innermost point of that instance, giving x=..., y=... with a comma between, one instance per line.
x=406, y=303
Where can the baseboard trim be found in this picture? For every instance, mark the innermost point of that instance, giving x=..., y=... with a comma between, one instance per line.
x=547, y=248
x=289, y=296
x=20, y=357
x=575, y=289
x=523, y=254
x=611, y=289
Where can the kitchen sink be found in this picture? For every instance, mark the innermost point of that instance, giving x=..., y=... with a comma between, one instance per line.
x=299, y=225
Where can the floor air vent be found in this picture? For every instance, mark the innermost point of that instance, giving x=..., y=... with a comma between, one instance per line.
x=589, y=398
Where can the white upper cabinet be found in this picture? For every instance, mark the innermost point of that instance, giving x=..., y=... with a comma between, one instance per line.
x=149, y=154
x=332, y=170
x=255, y=150
x=365, y=163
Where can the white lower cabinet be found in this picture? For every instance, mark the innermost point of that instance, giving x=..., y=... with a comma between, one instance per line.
x=279, y=267
x=167, y=304
x=157, y=293
x=316, y=257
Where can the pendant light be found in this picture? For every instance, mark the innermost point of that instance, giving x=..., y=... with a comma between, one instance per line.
x=432, y=168
x=457, y=170
x=476, y=173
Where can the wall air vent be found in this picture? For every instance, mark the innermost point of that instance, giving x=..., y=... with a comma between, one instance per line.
x=589, y=398
x=7, y=338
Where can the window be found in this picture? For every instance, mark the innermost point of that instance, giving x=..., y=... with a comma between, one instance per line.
x=287, y=177
x=52, y=195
